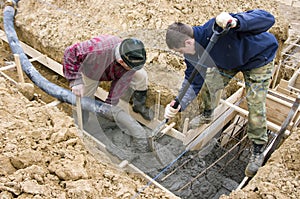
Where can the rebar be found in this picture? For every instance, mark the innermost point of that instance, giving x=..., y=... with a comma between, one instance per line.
x=213, y=164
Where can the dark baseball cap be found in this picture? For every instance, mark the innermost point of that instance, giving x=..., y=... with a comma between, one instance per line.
x=133, y=53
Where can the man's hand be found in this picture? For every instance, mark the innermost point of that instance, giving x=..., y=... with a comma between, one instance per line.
x=78, y=90
x=170, y=111
x=224, y=18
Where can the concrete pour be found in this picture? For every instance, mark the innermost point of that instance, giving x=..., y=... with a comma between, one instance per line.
x=222, y=178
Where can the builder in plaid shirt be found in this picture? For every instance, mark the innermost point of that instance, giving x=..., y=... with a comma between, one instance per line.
x=108, y=58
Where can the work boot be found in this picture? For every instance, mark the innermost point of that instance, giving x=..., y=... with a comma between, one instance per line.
x=256, y=160
x=139, y=105
x=204, y=118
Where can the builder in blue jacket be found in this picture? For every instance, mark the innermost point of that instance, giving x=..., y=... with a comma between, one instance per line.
x=246, y=47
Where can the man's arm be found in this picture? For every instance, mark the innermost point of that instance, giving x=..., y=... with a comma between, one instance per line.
x=118, y=87
x=254, y=21
x=71, y=65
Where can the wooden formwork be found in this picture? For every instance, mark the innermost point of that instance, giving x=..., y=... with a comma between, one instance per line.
x=101, y=94
x=278, y=105
x=285, y=93
x=290, y=58
x=290, y=87
x=232, y=111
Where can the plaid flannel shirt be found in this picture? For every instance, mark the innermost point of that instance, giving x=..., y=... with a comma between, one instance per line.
x=95, y=58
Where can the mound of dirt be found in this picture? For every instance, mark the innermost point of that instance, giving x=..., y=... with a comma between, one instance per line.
x=279, y=178
x=42, y=156
x=51, y=25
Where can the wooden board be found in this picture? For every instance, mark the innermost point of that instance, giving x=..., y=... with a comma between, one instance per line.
x=212, y=130
x=221, y=109
x=278, y=110
x=278, y=105
x=100, y=93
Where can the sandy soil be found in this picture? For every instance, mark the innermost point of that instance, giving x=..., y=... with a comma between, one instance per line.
x=42, y=156
x=41, y=153
x=58, y=24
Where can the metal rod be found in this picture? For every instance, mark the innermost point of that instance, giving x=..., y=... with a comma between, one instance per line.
x=213, y=164
x=180, y=166
x=234, y=157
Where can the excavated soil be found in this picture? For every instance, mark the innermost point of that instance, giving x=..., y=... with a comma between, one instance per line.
x=42, y=154
x=51, y=26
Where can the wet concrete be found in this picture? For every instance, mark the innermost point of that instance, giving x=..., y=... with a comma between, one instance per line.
x=212, y=184
x=220, y=179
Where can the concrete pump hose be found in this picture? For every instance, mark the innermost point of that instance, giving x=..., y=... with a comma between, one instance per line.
x=124, y=120
x=129, y=125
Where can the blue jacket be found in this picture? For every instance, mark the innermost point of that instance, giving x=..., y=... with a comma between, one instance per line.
x=245, y=47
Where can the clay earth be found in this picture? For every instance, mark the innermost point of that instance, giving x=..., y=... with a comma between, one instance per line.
x=42, y=153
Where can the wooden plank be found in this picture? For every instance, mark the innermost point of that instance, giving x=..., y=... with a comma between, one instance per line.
x=192, y=134
x=212, y=130
x=277, y=112
x=19, y=68
x=286, y=91
x=278, y=105
x=8, y=78
x=280, y=96
x=292, y=80
x=272, y=126
x=8, y=67
x=284, y=83
x=157, y=105
x=14, y=64
x=185, y=126
x=152, y=181
x=294, y=89
x=168, y=128
x=285, y=103
x=125, y=163
x=53, y=103
x=176, y=134
x=79, y=112
x=100, y=93
x=297, y=82
x=292, y=84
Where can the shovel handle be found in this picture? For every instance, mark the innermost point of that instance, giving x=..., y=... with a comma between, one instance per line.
x=217, y=32
x=176, y=104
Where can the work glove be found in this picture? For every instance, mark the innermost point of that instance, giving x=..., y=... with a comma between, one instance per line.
x=170, y=111
x=224, y=18
x=78, y=90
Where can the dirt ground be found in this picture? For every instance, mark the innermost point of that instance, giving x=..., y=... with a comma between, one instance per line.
x=54, y=25
x=42, y=155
